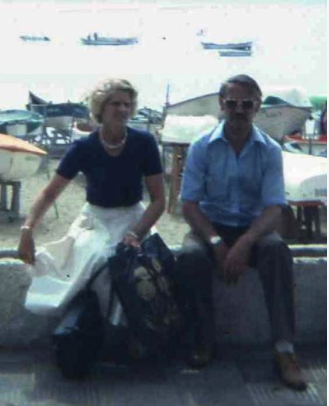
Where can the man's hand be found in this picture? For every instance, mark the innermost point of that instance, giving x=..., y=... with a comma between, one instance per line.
x=236, y=261
x=26, y=248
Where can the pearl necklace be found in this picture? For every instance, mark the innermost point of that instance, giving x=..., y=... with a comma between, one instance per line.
x=113, y=146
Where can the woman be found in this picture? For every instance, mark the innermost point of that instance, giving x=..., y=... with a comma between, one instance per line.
x=115, y=159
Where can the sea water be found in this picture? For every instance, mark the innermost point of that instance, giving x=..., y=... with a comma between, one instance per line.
x=289, y=48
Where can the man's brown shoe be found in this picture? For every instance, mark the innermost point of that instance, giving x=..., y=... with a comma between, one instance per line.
x=201, y=356
x=289, y=370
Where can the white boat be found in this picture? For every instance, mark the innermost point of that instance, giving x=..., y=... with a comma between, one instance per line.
x=311, y=146
x=284, y=110
x=59, y=116
x=305, y=178
x=18, y=159
x=183, y=129
x=21, y=123
x=95, y=39
x=34, y=38
x=235, y=53
x=242, y=46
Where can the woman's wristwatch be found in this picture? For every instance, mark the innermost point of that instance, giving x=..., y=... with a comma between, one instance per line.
x=26, y=228
x=214, y=240
x=133, y=234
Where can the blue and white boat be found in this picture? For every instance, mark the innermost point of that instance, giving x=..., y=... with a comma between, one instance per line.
x=60, y=116
x=235, y=53
x=96, y=40
x=240, y=46
x=35, y=38
x=21, y=123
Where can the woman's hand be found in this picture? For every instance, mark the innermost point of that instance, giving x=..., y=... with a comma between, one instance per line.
x=131, y=239
x=26, y=248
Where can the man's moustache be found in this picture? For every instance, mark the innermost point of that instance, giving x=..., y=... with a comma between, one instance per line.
x=239, y=117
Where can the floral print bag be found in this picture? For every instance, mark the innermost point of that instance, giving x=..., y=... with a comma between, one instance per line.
x=143, y=282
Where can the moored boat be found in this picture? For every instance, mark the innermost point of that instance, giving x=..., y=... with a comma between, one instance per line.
x=308, y=145
x=147, y=119
x=236, y=53
x=305, y=178
x=242, y=46
x=35, y=38
x=18, y=158
x=58, y=115
x=95, y=39
x=283, y=111
x=21, y=123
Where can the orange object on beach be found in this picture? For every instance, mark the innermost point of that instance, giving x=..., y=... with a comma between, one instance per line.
x=11, y=143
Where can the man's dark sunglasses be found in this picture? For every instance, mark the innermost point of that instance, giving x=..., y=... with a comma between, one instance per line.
x=244, y=104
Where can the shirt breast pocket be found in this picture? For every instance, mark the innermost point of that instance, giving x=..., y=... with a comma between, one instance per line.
x=215, y=186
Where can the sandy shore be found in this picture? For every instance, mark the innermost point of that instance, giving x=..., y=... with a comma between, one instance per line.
x=57, y=220
x=172, y=228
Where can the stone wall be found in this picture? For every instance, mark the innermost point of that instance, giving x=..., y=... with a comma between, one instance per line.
x=241, y=312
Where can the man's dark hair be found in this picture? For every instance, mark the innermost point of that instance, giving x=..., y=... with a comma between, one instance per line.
x=243, y=80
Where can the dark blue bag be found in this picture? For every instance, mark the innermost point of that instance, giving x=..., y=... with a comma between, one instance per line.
x=142, y=280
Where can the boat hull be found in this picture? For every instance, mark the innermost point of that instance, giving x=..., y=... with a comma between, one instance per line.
x=61, y=116
x=15, y=166
x=20, y=123
x=308, y=146
x=33, y=38
x=277, y=121
x=305, y=178
x=18, y=159
x=242, y=46
x=109, y=41
x=235, y=53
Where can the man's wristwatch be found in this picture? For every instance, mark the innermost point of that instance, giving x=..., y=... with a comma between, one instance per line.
x=215, y=240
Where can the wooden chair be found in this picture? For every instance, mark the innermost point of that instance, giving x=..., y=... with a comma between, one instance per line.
x=179, y=151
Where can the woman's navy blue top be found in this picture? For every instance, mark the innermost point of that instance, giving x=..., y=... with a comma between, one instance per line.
x=113, y=181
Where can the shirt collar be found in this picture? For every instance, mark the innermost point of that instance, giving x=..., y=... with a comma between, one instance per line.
x=218, y=134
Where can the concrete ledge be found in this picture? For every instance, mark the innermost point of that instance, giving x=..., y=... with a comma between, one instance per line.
x=19, y=328
x=241, y=311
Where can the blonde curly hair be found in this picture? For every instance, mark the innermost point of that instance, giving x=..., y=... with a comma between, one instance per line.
x=102, y=93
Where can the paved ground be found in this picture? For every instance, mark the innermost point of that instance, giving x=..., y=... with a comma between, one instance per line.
x=239, y=377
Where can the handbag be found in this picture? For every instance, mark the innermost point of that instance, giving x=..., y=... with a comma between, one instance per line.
x=78, y=338
x=142, y=279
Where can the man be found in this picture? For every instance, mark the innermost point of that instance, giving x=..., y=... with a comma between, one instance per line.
x=232, y=194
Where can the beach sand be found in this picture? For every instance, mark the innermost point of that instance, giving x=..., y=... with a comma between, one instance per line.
x=171, y=227
x=58, y=219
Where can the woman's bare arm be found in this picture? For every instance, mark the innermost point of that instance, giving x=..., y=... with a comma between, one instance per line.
x=46, y=198
x=155, y=187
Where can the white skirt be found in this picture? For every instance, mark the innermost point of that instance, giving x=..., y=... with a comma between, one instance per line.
x=62, y=268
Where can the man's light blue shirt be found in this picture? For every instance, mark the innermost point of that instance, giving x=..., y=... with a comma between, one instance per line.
x=233, y=190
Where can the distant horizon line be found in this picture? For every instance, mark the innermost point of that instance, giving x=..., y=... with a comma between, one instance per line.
x=159, y=3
